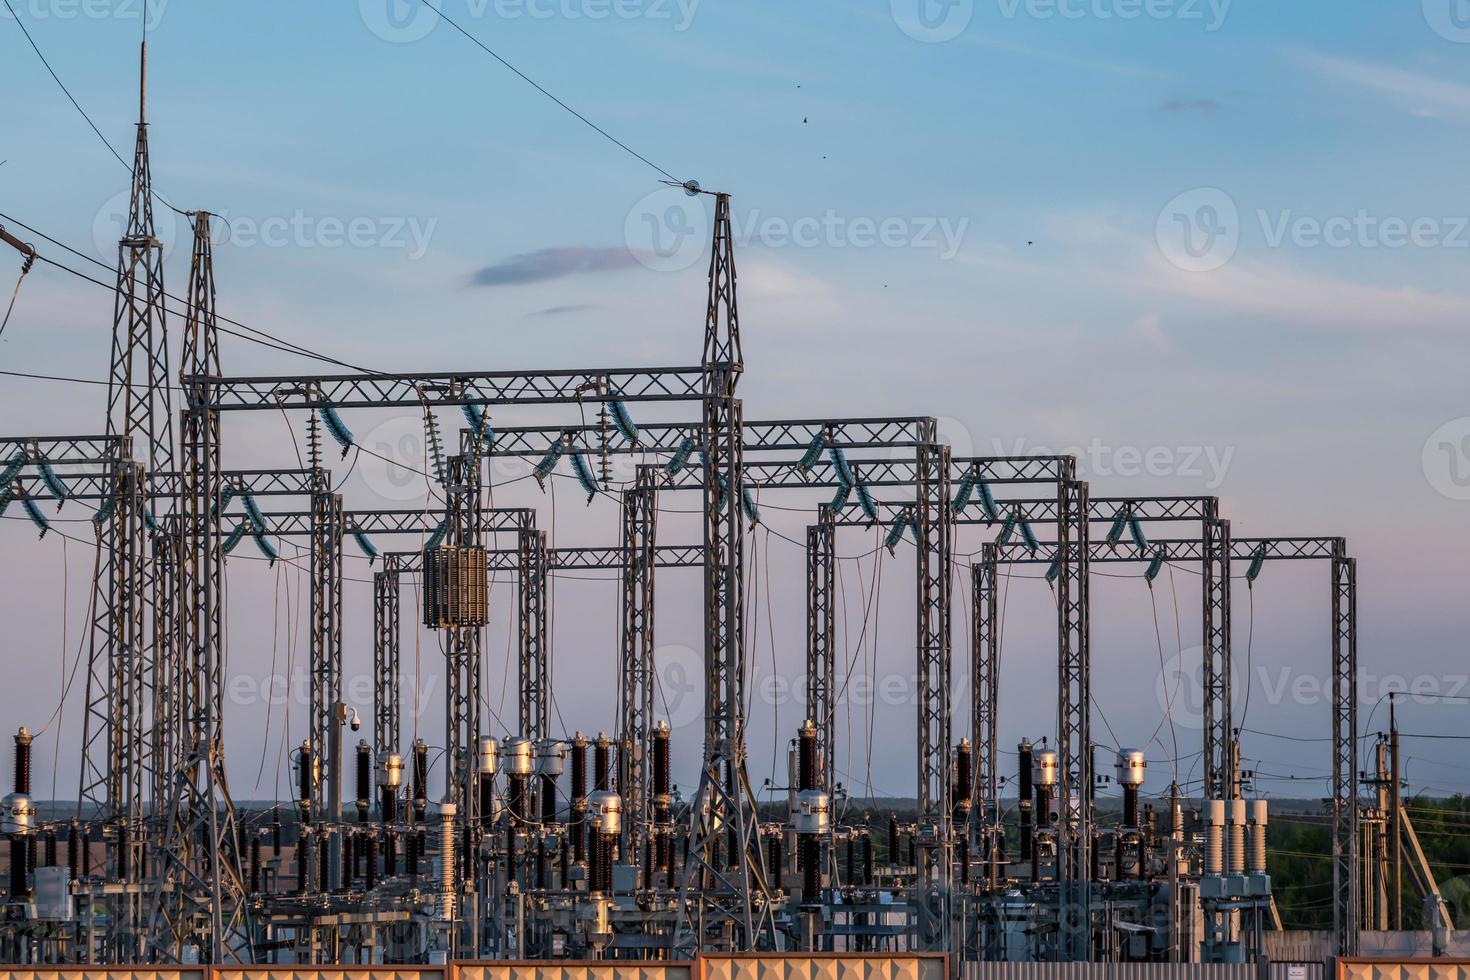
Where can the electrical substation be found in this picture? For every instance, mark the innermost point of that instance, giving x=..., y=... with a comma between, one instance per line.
x=550, y=843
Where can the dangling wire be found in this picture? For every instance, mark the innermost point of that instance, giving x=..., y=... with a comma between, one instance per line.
x=336, y=427
x=622, y=421
x=25, y=267
x=680, y=459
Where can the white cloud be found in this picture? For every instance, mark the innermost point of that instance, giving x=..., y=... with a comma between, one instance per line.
x=1420, y=95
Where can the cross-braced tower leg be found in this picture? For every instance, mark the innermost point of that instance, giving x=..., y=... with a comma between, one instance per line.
x=821, y=639
x=636, y=677
x=1345, y=863
x=1074, y=739
x=534, y=666
x=723, y=809
x=985, y=697
x=387, y=698
x=1215, y=590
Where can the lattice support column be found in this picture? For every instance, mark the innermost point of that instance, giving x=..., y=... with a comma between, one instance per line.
x=636, y=678
x=935, y=534
x=464, y=526
x=534, y=662
x=1220, y=783
x=387, y=697
x=985, y=698
x=1074, y=737
x=1346, y=869
x=821, y=639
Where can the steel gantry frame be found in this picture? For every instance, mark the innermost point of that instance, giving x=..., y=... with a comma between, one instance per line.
x=1208, y=548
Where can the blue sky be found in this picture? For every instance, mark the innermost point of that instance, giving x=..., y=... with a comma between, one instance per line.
x=1059, y=145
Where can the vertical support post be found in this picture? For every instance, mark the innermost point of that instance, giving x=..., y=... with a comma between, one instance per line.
x=724, y=806
x=1215, y=591
x=1345, y=863
x=985, y=697
x=464, y=528
x=935, y=532
x=1074, y=735
x=387, y=699
x=821, y=639
x=534, y=668
x=636, y=678
x=200, y=864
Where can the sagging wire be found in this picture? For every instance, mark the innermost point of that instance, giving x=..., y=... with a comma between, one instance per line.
x=336, y=427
